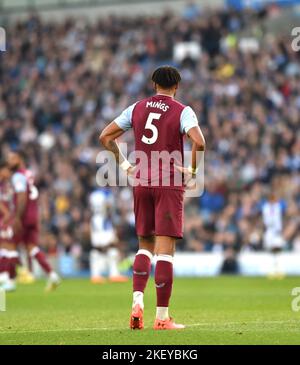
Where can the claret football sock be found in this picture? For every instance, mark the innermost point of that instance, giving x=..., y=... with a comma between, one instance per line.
x=41, y=259
x=4, y=266
x=141, y=273
x=13, y=263
x=163, y=283
x=3, y=261
x=9, y=262
x=13, y=268
x=29, y=261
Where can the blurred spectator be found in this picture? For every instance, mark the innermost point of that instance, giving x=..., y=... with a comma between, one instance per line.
x=61, y=83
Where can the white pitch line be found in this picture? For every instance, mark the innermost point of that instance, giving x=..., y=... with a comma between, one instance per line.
x=203, y=324
x=58, y=330
x=240, y=322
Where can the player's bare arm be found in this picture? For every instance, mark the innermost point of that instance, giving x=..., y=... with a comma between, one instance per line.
x=108, y=139
x=198, y=144
x=196, y=135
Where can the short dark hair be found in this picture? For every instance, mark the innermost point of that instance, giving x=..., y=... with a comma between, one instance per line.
x=166, y=76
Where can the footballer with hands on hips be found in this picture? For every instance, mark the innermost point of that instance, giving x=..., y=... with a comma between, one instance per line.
x=159, y=124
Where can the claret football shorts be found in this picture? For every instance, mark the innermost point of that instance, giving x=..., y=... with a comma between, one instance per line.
x=158, y=211
x=28, y=236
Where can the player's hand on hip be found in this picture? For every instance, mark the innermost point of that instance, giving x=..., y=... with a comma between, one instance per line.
x=131, y=171
x=182, y=169
x=189, y=178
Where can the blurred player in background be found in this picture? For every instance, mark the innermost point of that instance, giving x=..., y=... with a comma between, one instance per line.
x=159, y=124
x=9, y=256
x=104, y=256
x=273, y=211
x=26, y=216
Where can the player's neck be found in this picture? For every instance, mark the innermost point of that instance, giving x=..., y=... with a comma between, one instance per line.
x=165, y=92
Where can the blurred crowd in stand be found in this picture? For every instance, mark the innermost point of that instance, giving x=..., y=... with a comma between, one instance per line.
x=61, y=83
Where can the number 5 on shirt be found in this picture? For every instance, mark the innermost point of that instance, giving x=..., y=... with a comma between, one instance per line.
x=152, y=127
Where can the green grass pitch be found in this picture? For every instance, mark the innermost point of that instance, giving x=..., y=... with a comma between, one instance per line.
x=223, y=310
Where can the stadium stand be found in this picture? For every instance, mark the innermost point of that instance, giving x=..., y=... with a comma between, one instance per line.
x=62, y=82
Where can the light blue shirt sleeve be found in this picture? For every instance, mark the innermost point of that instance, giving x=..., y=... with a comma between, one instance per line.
x=188, y=119
x=124, y=119
x=19, y=182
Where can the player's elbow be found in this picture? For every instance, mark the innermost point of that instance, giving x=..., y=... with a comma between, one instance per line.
x=200, y=144
x=197, y=138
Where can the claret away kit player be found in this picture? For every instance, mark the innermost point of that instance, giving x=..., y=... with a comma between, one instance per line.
x=26, y=216
x=9, y=257
x=159, y=124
